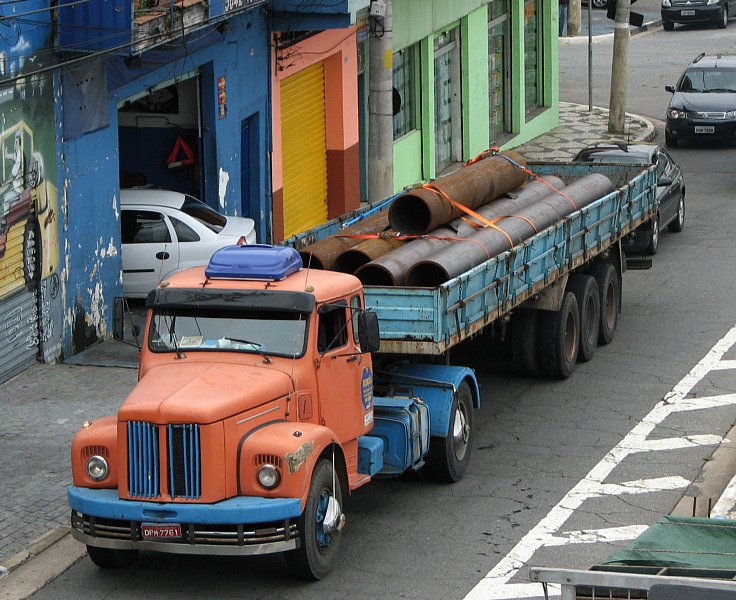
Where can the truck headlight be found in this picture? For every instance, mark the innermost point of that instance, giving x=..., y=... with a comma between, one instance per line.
x=97, y=468
x=268, y=476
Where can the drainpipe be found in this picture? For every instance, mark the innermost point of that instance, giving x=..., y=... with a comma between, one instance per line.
x=380, y=102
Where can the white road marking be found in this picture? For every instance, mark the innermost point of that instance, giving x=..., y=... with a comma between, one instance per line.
x=726, y=502
x=495, y=585
x=587, y=536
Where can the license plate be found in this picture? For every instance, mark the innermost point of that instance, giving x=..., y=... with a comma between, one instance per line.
x=709, y=129
x=159, y=531
x=687, y=13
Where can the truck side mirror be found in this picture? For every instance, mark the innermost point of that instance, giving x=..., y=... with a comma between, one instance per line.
x=118, y=318
x=368, y=334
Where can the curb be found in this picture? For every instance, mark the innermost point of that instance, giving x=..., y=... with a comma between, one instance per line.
x=607, y=37
x=37, y=547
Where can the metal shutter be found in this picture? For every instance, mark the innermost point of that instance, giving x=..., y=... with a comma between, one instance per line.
x=304, y=148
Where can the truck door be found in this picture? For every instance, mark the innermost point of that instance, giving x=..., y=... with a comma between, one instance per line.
x=340, y=366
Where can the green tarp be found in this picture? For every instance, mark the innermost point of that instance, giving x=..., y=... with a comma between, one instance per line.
x=684, y=542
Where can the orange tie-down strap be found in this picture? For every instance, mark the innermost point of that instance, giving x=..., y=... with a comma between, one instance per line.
x=496, y=151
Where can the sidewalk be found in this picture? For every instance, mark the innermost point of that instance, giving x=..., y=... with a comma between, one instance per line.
x=45, y=405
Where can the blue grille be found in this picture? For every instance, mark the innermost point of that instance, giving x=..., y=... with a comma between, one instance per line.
x=143, y=475
x=184, y=461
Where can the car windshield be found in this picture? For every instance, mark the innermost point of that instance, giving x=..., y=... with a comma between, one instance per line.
x=617, y=157
x=278, y=333
x=209, y=217
x=708, y=80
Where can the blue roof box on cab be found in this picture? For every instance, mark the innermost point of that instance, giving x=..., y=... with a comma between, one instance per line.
x=254, y=261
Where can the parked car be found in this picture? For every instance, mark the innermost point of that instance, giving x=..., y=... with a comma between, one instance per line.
x=715, y=12
x=703, y=103
x=163, y=231
x=596, y=3
x=670, y=188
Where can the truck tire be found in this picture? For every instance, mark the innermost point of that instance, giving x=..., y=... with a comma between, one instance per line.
x=109, y=558
x=524, y=342
x=317, y=553
x=653, y=237
x=559, y=339
x=448, y=457
x=586, y=293
x=609, y=289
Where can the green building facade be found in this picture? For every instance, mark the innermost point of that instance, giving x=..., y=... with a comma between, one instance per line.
x=470, y=75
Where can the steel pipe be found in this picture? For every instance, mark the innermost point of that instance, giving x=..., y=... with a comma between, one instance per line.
x=350, y=260
x=322, y=254
x=421, y=210
x=461, y=256
x=390, y=269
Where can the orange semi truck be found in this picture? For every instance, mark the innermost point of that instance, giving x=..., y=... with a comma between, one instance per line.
x=255, y=414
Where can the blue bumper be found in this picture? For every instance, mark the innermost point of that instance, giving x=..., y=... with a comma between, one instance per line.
x=245, y=509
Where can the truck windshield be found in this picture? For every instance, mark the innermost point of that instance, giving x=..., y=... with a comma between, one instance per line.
x=277, y=333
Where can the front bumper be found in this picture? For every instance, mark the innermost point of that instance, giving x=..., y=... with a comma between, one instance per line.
x=702, y=14
x=685, y=128
x=239, y=526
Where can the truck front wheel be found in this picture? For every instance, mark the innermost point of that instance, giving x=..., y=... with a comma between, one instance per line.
x=448, y=456
x=108, y=558
x=317, y=553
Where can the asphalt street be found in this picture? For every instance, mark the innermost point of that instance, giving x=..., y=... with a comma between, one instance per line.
x=535, y=440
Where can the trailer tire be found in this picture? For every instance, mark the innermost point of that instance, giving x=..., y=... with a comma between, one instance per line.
x=449, y=456
x=524, y=342
x=317, y=553
x=110, y=558
x=609, y=289
x=586, y=293
x=559, y=339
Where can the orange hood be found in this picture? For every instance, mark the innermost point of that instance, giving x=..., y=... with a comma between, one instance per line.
x=202, y=392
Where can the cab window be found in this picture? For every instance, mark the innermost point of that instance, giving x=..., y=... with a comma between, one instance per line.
x=332, y=331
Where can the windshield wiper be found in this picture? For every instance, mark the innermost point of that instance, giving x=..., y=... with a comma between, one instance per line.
x=258, y=347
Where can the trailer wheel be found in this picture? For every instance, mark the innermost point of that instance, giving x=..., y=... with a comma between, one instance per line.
x=317, y=553
x=559, y=339
x=609, y=289
x=524, y=342
x=586, y=293
x=448, y=457
x=109, y=558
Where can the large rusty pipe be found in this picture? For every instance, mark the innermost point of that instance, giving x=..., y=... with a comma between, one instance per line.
x=350, y=260
x=390, y=269
x=420, y=210
x=322, y=254
x=461, y=256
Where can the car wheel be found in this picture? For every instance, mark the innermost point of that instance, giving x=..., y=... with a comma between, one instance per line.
x=679, y=222
x=723, y=18
x=653, y=244
x=669, y=140
x=668, y=25
x=600, y=3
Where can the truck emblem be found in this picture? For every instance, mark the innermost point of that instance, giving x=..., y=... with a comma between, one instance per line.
x=295, y=460
x=366, y=389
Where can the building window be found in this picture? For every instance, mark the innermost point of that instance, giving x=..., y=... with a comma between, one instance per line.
x=532, y=55
x=405, y=90
x=498, y=41
x=447, y=99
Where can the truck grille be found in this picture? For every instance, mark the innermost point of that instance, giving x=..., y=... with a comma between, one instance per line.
x=184, y=461
x=145, y=465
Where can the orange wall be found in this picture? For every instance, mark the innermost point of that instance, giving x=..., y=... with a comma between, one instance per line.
x=338, y=48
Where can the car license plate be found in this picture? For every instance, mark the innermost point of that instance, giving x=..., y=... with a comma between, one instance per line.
x=687, y=13
x=160, y=531
x=708, y=129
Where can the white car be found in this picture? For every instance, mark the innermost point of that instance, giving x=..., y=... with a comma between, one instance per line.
x=162, y=231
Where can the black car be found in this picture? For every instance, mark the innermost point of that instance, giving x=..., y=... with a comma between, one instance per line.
x=715, y=12
x=670, y=188
x=703, y=103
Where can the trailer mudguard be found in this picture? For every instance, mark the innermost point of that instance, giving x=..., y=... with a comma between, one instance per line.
x=436, y=386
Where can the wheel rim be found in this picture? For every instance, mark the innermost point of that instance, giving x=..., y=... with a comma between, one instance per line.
x=571, y=337
x=460, y=430
x=655, y=231
x=610, y=306
x=681, y=212
x=324, y=540
x=725, y=17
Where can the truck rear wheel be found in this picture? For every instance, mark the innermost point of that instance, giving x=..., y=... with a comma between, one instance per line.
x=609, y=289
x=448, y=457
x=559, y=339
x=524, y=342
x=317, y=553
x=586, y=293
x=109, y=558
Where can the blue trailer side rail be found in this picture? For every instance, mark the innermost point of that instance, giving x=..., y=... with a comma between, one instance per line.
x=431, y=320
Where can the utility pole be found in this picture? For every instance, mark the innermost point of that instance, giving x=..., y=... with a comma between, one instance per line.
x=617, y=103
x=574, y=18
x=380, y=102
